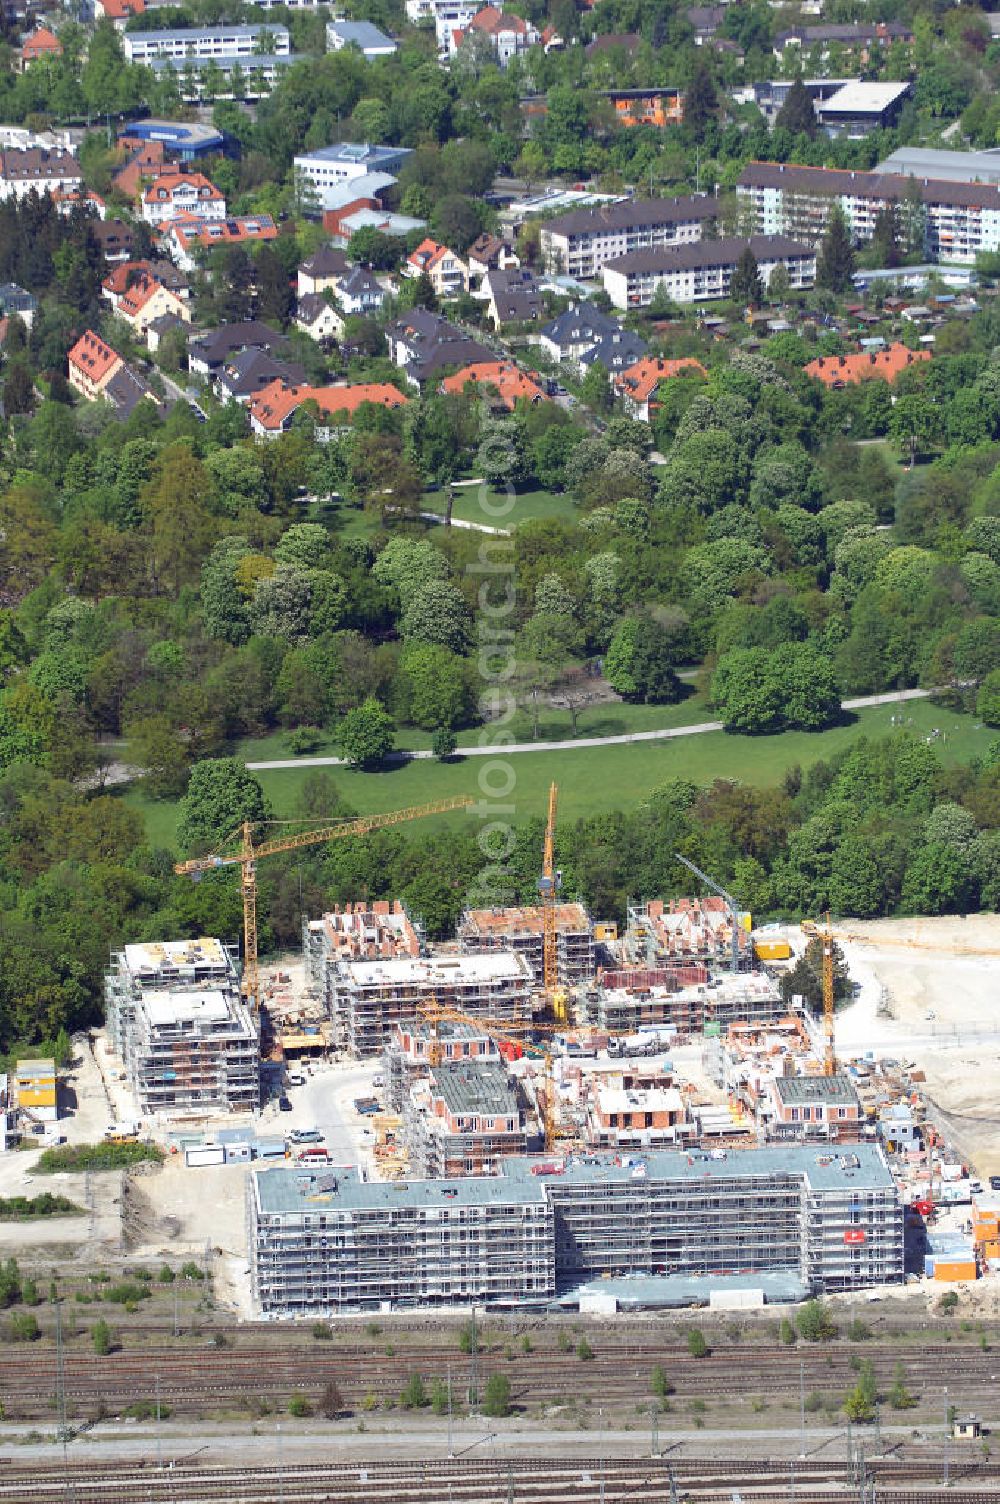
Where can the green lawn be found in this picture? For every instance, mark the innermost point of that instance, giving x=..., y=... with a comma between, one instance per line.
x=602, y=778
x=529, y=506
x=553, y=725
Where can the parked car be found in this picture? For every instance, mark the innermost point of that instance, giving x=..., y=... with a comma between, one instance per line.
x=305, y=1136
x=297, y=1079
x=283, y=1104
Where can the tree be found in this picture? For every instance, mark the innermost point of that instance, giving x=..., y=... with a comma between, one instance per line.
x=175, y=503
x=814, y=1322
x=697, y=1346
x=414, y=1395
x=900, y=1397
x=701, y=100
x=835, y=263
x=366, y=734
x=798, y=114
x=595, y=389
x=501, y=459
x=332, y=1401
x=156, y=746
x=746, y=289
x=496, y=1395
x=659, y=1384
x=915, y=424
x=988, y=699
x=221, y=795
x=787, y=1332
x=887, y=236
x=863, y=1398
x=18, y=390
x=444, y=743
x=437, y=613
x=101, y=1335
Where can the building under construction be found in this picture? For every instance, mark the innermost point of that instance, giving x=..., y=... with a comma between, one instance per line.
x=522, y=931
x=374, y=931
x=323, y=1243
x=416, y=1045
x=368, y=998
x=624, y=1001
x=463, y=1120
x=188, y=1041
x=685, y=931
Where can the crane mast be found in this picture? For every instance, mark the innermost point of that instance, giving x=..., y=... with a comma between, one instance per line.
x=829, y=1053
x=248, y=855
x=734, y=913
x=549, y=885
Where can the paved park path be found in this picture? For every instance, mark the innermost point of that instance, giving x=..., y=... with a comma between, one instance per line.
x=665, y=734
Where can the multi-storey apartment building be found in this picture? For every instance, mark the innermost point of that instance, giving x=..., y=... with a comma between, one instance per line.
x=187, y=1039
x=581, y=242
x=697, y=273
x=522, y=930
x=957, y=221
x=332, y=1242
x=210, y=44
x=367, y=998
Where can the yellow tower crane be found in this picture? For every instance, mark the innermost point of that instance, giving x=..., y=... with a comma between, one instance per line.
x=829, y=1053
x=248, y=855
x=549, y=885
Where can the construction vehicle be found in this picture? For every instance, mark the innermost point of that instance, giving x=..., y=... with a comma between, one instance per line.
x=731, y=904
x=248, y=855
x=549, y=887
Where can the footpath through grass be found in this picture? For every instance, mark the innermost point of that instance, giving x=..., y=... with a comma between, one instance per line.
x=596, y=779
x=529, y=506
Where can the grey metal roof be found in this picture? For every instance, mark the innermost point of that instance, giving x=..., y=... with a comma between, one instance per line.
x=475, y=1088
x=360, y=34
x=948, y=166
x=835, y=1090
x=857, y=1167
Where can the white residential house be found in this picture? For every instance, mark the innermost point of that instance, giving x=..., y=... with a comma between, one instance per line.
x=359, y=292
x=448, y=273
x=446, y=16
x=35, y=170
x=177, y=194
x=318, y=318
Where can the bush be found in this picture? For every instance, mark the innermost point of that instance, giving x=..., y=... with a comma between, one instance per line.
x=101, y=1335
x=496, y=1396
x=813, y=1401
x=75, y=1159
x=787, y=1333
x=29, y=1293
x=191, y=1271
x=815, y=1323
x=322, y=1331
x=166, y=1275
x=444, y=743
x=304, y=740
x=584, y=1351
x=900, y=1397
x=25, y=1208
x=439, y=1397
x=948, y=1302
x=467, y=1338
x=414, y=1396
x=147, y=1410
x=858, y=1331
x=299, y=1406
x=697, y=1346
x=24, y=1327
x=128, y=1293
x=659, y=1383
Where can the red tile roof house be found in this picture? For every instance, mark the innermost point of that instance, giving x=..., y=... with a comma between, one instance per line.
x=495, y=376
x=185, y=236
x=638, y=384
x=448, y=273
x=41, y=43
x=92, y=363
x=176, y=193
x=510, y=35
x=272, y=410
x=848, y=370
x=118, y=11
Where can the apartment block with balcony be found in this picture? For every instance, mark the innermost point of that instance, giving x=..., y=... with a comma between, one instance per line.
x=579, y=243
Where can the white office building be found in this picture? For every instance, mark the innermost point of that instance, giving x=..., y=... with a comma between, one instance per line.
x=208, y=44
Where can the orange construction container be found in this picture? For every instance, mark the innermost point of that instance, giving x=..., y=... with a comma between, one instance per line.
x=952, y=1270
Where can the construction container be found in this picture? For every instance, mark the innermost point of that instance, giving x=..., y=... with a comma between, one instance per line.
x=953, y=1270
x=207, y=1154
x=772, y=950
x=239, y=1153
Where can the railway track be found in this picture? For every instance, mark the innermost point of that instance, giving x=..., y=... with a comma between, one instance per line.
x=489, y=1481
x=191, y=1380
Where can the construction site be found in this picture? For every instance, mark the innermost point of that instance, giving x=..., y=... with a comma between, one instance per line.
x=623, y=1090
